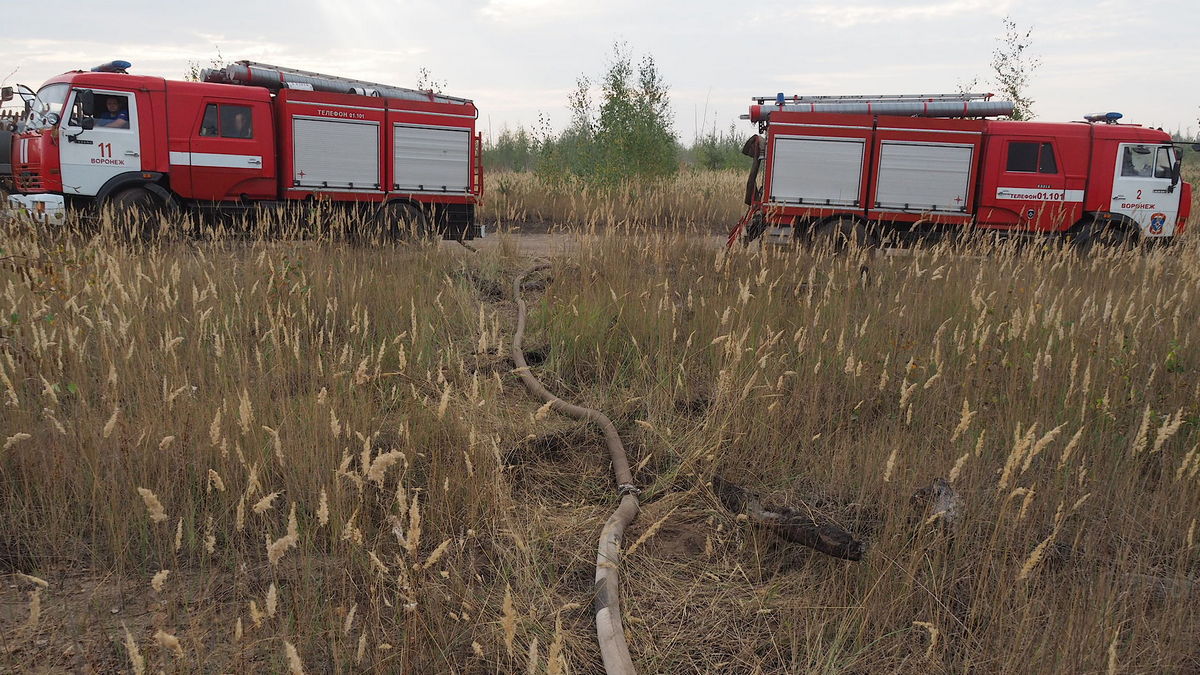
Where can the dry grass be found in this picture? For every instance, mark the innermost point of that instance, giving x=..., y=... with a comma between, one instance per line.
x=1191, y=174
x=816, y=381
x=366, y=388
x=707, y=200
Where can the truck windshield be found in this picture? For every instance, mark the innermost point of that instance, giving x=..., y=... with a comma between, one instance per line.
x=49, y=100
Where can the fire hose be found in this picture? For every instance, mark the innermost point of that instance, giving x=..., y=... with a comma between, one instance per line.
x=752, y=223
x=610, y=634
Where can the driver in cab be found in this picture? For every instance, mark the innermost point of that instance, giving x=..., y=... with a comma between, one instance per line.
x=113, y=116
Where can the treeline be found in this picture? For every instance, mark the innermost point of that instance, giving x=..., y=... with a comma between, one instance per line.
x=628, y=133
x=527, y=150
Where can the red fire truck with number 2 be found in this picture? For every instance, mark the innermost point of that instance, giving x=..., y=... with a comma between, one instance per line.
x=886, y=168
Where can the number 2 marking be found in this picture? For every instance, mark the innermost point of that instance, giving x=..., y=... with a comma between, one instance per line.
x=1139, y=195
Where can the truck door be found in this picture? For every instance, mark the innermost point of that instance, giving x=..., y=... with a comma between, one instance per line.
x=1142, y=187
x=231, y=152
x=1031, y=189
x=91, y=157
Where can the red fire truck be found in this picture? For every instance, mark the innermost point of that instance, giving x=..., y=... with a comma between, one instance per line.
x=248, y=136
x=885, y=168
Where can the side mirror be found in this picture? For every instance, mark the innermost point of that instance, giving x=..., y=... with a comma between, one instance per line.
x=87, y=102
x=6, y=94
x=87, y=124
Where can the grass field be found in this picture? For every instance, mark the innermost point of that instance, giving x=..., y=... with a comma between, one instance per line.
x=706, y=200
x=244, y=455
x=709, y=200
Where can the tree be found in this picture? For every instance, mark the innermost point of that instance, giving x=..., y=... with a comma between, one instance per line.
x=716, y=150
x=511, y=151
x=629, y=134
x=634, y=128
x=426, y=81
x=1013, y=66
x=196, y=68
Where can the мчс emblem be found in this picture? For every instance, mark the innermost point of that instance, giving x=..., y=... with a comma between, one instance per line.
x=1157, y=222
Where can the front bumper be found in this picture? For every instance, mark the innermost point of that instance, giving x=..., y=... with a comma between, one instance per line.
x=42, y=209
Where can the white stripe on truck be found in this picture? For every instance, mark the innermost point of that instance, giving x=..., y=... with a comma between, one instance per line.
x=219, y=160
x=1038, y=195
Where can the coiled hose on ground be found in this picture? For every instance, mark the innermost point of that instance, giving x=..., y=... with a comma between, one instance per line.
x=609, y=632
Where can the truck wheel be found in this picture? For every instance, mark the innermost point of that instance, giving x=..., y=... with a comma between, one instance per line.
x=801, y=232
x=1100, y=235
x=138, y=208
x=409, y=223
x=838, y=235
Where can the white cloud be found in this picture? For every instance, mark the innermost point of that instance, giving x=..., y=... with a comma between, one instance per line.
x=519, y=58
x=844, y=15
x=529, y=11
x=40, y=59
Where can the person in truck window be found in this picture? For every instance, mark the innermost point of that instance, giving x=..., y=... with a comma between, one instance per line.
x=113, y=116
x=239, y=127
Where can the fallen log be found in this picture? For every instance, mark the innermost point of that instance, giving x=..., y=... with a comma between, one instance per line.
x=801, y=526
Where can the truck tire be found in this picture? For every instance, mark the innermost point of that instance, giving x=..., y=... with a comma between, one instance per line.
x=409, y=223
x=838, y=235
x=138, y=210
x=1095, y=235
x=134, y=199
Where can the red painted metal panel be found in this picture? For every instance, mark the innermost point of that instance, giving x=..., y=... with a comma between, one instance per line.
x=824, y=125
x=435, y=114
x=933, y=131
x=293, y=103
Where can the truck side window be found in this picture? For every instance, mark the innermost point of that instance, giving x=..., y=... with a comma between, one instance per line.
x=236, y=121
x=1137, y=161
x=112, y=111
x=1031, y=157
x=75, y=117
x=227, y=121
x=208, y=126
x=1164, y=168
x=1022, y=157
x=1046, y=163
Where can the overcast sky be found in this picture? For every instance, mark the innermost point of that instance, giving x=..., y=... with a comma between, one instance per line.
x=519, y=58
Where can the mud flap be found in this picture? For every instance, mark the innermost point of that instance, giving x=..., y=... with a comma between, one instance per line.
x=755, y=228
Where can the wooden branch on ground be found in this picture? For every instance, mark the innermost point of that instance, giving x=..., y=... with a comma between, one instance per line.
x=800, y=526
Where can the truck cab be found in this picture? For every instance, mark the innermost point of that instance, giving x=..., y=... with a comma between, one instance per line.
x=1060, y=177
x=85, y=136
x=1138, y=181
